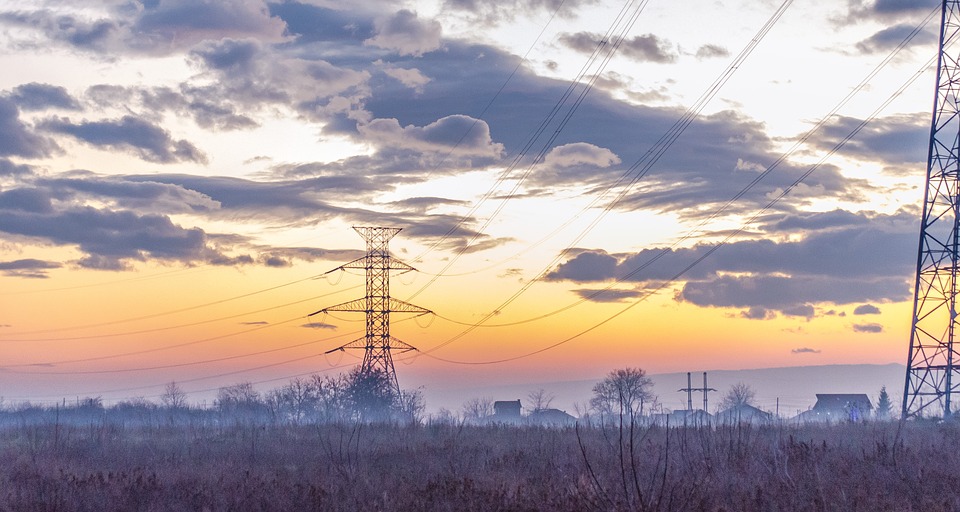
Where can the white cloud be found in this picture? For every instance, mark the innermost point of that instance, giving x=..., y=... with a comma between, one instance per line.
x=406, y=34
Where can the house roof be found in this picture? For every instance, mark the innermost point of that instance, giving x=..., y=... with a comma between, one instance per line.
x=745, y=411
x=843, y=401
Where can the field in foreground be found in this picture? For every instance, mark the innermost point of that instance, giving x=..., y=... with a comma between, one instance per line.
x=103, y=467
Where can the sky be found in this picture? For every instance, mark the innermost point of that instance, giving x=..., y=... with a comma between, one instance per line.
x=177, y=177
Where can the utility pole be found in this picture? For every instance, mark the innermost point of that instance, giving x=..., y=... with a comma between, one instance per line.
x=690, y=389
x=705, y=390
x=932, y=374
x=377, y=343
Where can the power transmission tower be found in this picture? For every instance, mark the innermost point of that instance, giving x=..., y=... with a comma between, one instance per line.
x=377, y=343
x=690, y=389
x=931, y=381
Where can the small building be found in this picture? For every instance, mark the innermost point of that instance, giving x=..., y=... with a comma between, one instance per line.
x=505, y=411
x=743, y=413
x=551, y=418
x=841, y=407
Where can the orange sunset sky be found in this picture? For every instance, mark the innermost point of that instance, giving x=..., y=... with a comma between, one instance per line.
x=177, y=177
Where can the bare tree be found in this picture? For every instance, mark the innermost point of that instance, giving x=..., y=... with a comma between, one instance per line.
x=623, y=391
x=173, y=397
x=738, y=395
x=412, y=405
x=295, y=401
x=477, y=408
x=331, y=398
x=540, y=400
x=240, y=402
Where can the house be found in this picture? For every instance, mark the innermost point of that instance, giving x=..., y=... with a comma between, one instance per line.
x=551, y=418
x=743, y=413
x=505, y=411
x=853, y=407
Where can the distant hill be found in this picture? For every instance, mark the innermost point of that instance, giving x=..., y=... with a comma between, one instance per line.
x=795, y=386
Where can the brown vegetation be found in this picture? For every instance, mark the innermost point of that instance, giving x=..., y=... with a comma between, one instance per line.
x=106, y=467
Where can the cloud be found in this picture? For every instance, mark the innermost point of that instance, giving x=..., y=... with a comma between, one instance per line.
x=859, y=11
x=425, y=204
x=249, y=74
x=28, y=268
x=758, y=313
x=805, y=350
x=849, y=259
x=151, y=28
x=649, y=48
x=804, y=310
x=406, y=34
x=108, y=236
x=182, y=23
x=710, y=51
x=889, y=38
x=687, y=180
x=112, y=238
x=98, y=35
x=866, y=309
x=868, y=328
x=131, y=134
x=411, y=77
x=580, y=153
x=643, y=48
x=587, y=266
x=491, y=12
x=459, y=134
x=207, y=109
x=18, y=139
x=8, y=168
x=893, y=140
x=790, y=295
x=319, y=325
x=602, y=295
x=36, y=96
x=122, y=193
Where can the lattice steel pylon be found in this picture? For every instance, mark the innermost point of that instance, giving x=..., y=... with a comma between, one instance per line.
x=377, y=343
x=932, y=379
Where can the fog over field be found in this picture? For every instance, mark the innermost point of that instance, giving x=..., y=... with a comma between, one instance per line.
x=796, y=387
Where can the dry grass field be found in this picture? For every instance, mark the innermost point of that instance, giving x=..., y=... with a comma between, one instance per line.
x=105, y=466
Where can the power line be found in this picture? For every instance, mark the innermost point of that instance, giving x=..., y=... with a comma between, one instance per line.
x=180, y=326
x=657, y=150
x=617, y=33
x=717, y=246
x=695, y=230
x=161, y=314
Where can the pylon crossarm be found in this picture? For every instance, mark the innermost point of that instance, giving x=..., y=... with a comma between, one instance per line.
x=395, y=264
x=356, y=305
x=399, y=306
x=357, y=343
x=401, y=346
x=359, y=263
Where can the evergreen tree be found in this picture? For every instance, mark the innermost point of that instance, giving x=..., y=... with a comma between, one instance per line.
x=883, y=404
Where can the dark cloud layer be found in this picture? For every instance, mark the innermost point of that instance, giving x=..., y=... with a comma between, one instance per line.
x=862, y=259
x=36, y=96
x=889, y=38
x=28, y=268
x=18, y=139
x=387, y=78
x=153, y=28
x=131, y=134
